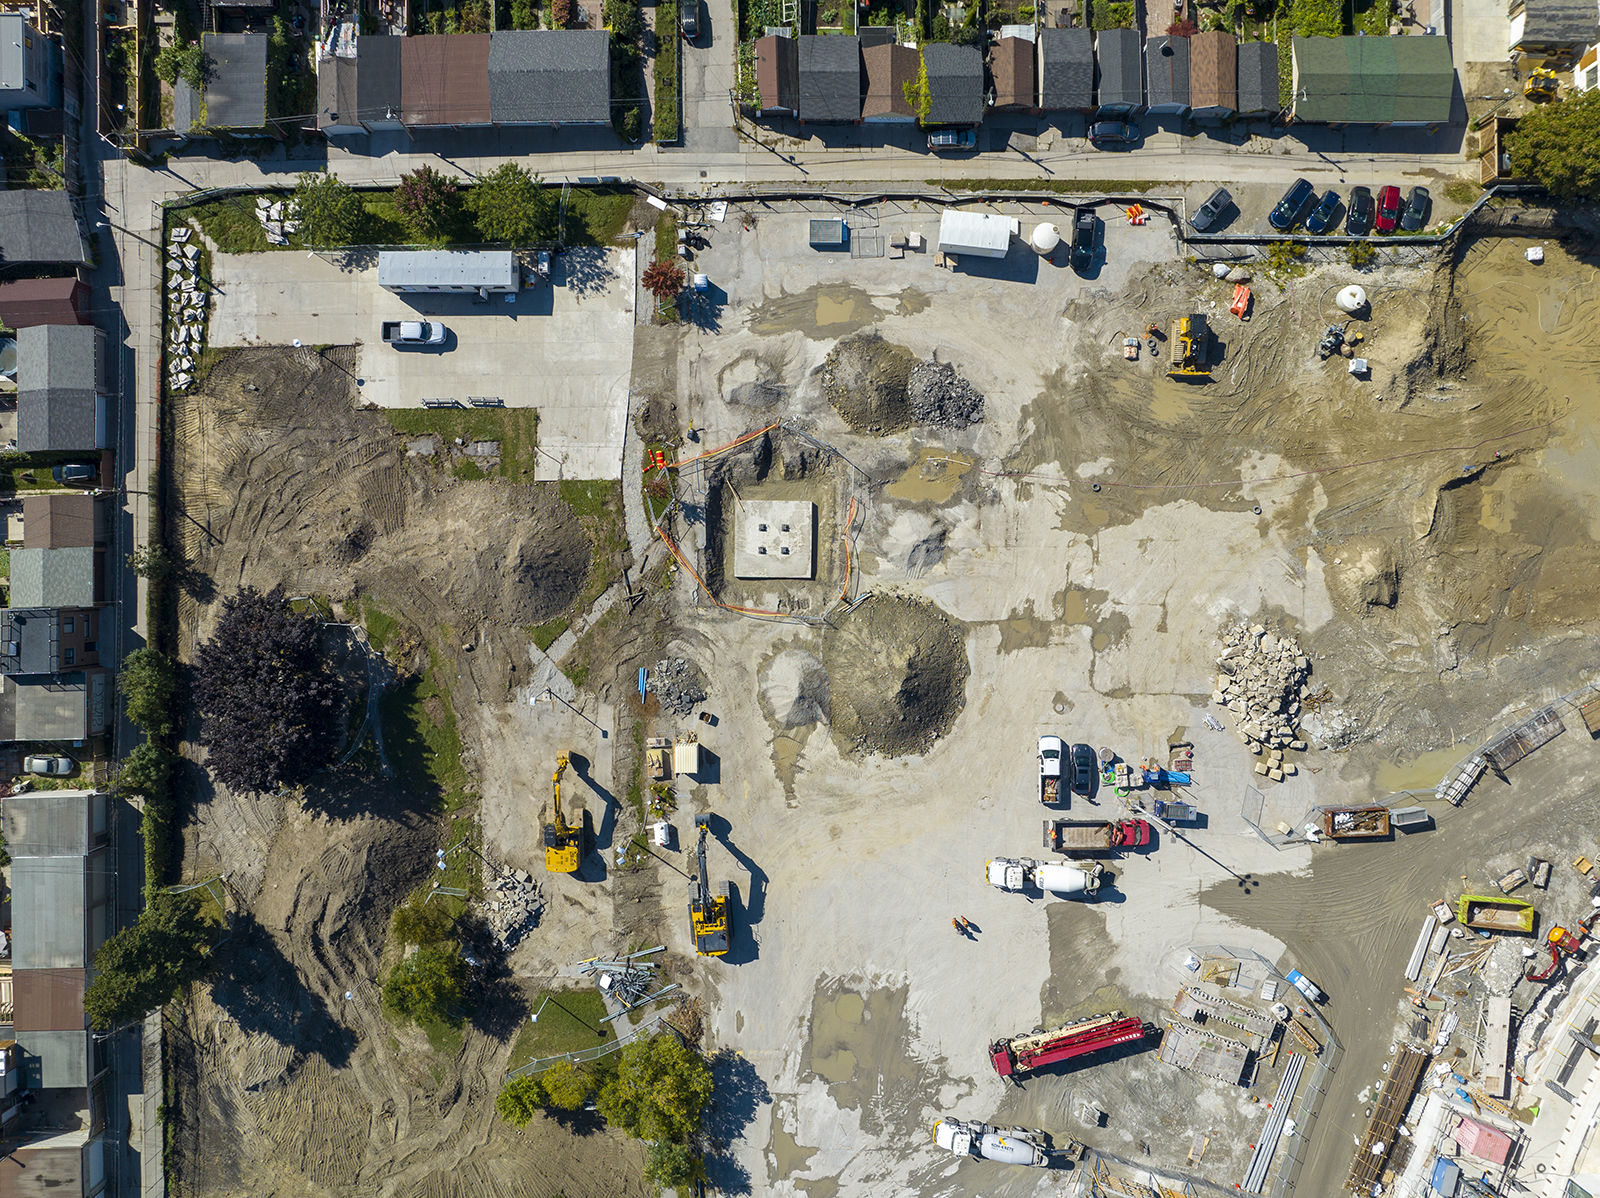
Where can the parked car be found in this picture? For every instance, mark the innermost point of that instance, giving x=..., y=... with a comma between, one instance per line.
x=1322, y=215
x=1113, y=135
x=945, y=140
x=1388, y=209
x=412, y=332
x=689, y=18
x=1084, y=769
x=1206, y=216
x=75, y=474
x=1416, y=213
x=1358, y=222
x=53, y=766
x=1083, y=234
x=1287, y=214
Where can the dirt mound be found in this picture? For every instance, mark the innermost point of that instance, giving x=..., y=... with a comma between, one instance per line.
x=795, y=687
x=897, y=675
x=940, y=396
x=865, y=378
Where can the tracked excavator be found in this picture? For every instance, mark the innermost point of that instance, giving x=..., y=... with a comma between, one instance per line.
x=708, y=913
x=563, y=842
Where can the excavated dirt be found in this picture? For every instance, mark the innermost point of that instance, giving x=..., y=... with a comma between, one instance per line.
x=897, y=674
x=865, y=379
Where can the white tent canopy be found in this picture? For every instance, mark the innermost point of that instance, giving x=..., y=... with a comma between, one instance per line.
x=981, y=234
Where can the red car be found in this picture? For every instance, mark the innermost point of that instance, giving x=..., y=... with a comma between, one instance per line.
x=1388, y=209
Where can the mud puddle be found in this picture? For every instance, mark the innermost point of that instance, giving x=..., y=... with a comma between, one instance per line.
x=826, y=310
x=858, y=1047
x=1420, y=773
x=933, y=477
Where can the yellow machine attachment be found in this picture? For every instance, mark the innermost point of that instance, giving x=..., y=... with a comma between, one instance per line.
x=1191, y=346
x=1542, y=85
x=563, y=843
x=708, y=913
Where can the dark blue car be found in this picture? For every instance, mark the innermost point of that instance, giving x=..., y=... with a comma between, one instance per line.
x=1322, y=216
x=1287, y=214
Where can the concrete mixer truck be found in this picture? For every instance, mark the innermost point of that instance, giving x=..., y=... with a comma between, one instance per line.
x=1008, y=1145
x=1024, y=873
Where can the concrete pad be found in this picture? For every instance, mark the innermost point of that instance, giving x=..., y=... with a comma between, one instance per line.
x=565, y=348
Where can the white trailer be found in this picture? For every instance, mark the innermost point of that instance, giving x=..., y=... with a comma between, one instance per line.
x=1024, y=873
x=1008, y=1145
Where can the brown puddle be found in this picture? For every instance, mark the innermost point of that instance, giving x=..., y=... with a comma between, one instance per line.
x=826, y=310
x=934, y=477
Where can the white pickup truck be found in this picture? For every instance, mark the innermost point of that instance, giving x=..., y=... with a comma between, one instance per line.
x=413, y=332
x=1051, y=752
x=1024, y=873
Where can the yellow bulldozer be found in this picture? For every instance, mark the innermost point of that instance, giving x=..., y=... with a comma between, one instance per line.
x=1543, y=84
x=1191, y=348
x=708, y=912
x=563, y=842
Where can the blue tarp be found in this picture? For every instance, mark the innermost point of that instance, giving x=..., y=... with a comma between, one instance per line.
x=1446, y=1177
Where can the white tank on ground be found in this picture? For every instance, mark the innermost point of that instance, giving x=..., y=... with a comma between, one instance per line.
x=1351, y=299
x=1045, y=238
x=1007, y=1145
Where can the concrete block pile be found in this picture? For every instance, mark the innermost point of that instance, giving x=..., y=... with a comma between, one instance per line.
x=677, y=684
x=186, y=308
x=512, y=907
x=1262, y=675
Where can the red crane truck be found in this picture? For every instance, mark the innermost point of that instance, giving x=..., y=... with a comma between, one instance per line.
x=1019, y=1054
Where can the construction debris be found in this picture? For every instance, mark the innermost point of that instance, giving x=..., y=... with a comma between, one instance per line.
x=513, y=907
x=940, y=396
x=1261, y=681
x=678, y=685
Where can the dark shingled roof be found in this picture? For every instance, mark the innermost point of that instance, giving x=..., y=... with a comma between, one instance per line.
x=236, y=86
x=889, y=69
x=59, y=521
x=39, y=226
x=444, y=79
x=1167, y=67
x=1121, y=74
x=56, y=404
x=1012, y=66
x=777, y=71
x=1213, y=71
x=1258, y=77
x=955, y=84
x=378, y=77
x=541, y=76
x=28, y=302
x=336, y=93
x=1372, y=80
x=830, y=78
x=1559, y=22
x=1066, y=69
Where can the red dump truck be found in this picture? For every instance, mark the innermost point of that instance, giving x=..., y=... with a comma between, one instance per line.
x=1094, y=836
x=1019, y=1054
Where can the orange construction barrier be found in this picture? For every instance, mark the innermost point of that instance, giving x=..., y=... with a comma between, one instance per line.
x=1241, y=302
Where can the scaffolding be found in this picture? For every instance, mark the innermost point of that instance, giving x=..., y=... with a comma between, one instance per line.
x=1391, y=1106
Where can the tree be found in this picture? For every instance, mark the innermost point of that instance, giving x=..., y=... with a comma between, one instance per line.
x=145, y=771
x=658, y=1091
x=519, y=1101
x=176, y=62
x=148, y=682
x=143, y=967
x=663, y=280
x=671, y=1166
x=265, y=693
x=330, y=211
x=508, y=204
x=428, y=986
x=1183, y=28
x=428, y=202
x=1555, y=145
x=150, y=561
x=566, y=1087
x=423, y=923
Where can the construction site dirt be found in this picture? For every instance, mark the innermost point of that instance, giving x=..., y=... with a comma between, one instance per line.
x=1066, y=565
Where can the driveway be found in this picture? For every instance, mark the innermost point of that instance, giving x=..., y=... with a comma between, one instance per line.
x=565, y=348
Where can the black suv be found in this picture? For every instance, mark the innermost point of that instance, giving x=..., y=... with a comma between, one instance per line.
x=1287, y=214
x=1416, y=213
x=1084, y=769
x=1358, y=223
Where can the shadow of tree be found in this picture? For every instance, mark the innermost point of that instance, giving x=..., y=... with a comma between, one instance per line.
x=740, y=1092
x=586, y=270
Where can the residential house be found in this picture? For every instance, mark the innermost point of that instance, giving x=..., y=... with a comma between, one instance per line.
x=1585, y=76
x=1120, y=73
x=550, y=77
x=829, y=89
x=1258, y=79
x=339, y=95
x=70, y=577
x=48, y=640
x=1167, y=75
x=1213, y=75
x=444, y=80
x=1066, y=70
x=1552, y=33
x=1011, y=64
x=63, y=521
x=27, y=302
x=358, y=85
x=234, y=96
x=62, y=386
x=1374, y=81
x=889, y=68
x=30, y=65
x=54, y=708
x=955, y=84
x=875, y=35
x=777, y=73
x=40, y=228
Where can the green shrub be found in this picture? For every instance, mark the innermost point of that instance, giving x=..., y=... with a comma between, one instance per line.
x=149, y=683
x=666, y=71
x=428, y=986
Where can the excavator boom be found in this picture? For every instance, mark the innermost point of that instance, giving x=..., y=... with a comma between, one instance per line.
x=563, y=842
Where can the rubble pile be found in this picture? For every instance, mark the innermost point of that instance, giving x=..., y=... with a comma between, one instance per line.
x=677, y=684
x=512, y=907
x=1263, y=675
x=186, y=308
x=941, y=397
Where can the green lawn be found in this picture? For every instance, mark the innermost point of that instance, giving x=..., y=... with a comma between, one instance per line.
x=567, y=1022
x=517, y=430
x=380, y=625
x=595, y=215
x=31, y=472
x=419, y=732
x=231, y=222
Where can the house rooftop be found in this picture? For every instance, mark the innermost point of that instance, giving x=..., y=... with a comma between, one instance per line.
x=444, y=79
x=777, y=70
x=1258, y=77
x=554, y=76
x=889, y=68
x=1373, y=80
x=40, y=227
x=236, y=86
x=1119, y=55
x=1066, y=69
x=955, y=84
x=52, y=577
x=830, y=78
x=1012, y=66
x=1213, y=71
x=1167, y=67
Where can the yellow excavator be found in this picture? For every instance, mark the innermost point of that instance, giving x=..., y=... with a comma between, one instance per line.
x=1543, y=84
x=563, y=842
x=1191, y=347
x=708, y=913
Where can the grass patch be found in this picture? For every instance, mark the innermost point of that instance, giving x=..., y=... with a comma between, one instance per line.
x=666, y=237
x=231, y=222
x=445, y=1039
x=517, y=430
x=381, y=626
x=635, y=779
x=666, y=69
x=595, y=215
x=419, y=731
x=546, y=634
x=568, y=1021
x=31, y=471
x=1459, y=191
x=1060, y=186
x=598, y=506
x=467, y=472
x=5, y=563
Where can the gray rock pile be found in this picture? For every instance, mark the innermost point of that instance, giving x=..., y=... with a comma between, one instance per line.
x=677, y=684
x=1262, y=675
x=512, y=907
x=941, y=397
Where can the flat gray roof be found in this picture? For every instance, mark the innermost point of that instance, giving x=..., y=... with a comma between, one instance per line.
x=494, y=269
x=52, y=577
x=48, y=924
x=47, y=823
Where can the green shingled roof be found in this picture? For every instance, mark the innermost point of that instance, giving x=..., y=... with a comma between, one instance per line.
x=1372, y=80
